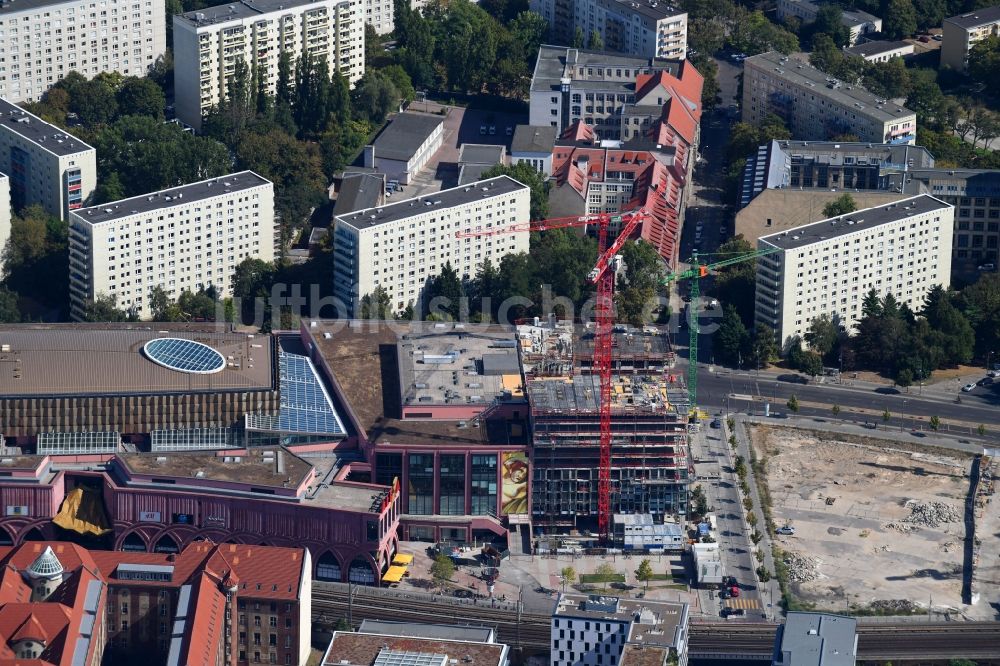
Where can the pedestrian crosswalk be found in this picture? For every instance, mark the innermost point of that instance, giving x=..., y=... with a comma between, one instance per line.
x=745, y=604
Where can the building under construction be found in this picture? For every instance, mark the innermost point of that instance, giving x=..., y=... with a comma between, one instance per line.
x=650, y=467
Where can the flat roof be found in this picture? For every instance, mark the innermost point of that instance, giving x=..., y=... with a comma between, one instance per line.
x=557, y=62
x=358, y=649
x=876, y=47
x=649, y=8
x=857, y=17
x=175, y=196
x=804, y=74
x=533, y=139
x=105, y=359
x=833, y=152
x=32, y=128
x=238, y=10
x=817, y=639
x=417, y=630
x=636, y=654
x=11, y=7
x=480, y=153
x=362, y=357
x=250, y=467
x=850, y=223
x=472, y=173
x=456, y=364
x=404, y=135
x=977, y=18
x=658, y=620
x=456, y=196
x=580, y=393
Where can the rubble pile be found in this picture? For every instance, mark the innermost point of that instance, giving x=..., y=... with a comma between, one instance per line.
x=893, y=606
x=801, y=568
x=904, y=528
x=931, y=514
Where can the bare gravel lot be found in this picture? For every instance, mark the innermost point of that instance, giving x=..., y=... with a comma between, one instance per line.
x=878, y=524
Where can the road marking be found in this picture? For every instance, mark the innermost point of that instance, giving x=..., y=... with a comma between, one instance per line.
x=745, y=604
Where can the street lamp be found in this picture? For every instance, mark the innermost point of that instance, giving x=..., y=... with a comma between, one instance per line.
x=989, y=355
x=902, y=416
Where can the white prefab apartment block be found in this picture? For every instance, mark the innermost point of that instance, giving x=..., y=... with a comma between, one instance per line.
x=645, y=28
x=827, y=267
x=816, y=106
x=401, y=246
x=208, y=43
x=46, y=166
x=597, y=630
x=857, y=22
x=185, y=238
x=379, y=15
x=960, y=33
x=44, y=40
x=4, y=214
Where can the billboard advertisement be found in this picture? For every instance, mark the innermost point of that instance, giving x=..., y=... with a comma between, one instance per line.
x=514, y=483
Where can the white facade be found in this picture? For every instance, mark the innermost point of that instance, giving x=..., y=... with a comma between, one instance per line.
x=401, y=246
x=646, y=28
x=43, y=41
x=960, y=33
x=4, y=214
x=857, y=22
x=185, y=238
x=45, y=165
x=596, y=630
x=829, y=266
x=882, y=51
x=816, y=106
x=379, y=15
x=208, y=44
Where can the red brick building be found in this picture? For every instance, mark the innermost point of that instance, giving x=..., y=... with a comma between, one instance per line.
x=209, y=605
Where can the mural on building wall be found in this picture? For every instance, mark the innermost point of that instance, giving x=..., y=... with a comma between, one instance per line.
x=515, y=483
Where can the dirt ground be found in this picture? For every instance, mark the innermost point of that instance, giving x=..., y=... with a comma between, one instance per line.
x=861, y=549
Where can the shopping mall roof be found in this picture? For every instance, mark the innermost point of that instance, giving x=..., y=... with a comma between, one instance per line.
x=446, y=363
x=267, y=467
x=362, y=357
x=105, y=359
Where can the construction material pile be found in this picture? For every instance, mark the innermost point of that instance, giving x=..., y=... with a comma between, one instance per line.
x=931, y=514
x=801, y=568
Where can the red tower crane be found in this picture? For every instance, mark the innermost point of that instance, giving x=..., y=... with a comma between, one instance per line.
x=604, y=320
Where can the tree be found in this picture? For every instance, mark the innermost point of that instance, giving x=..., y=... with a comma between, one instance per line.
x=984, y=60
x=445, y=293
x=793, y=404
x=141, y=97
x=810, y=363
x=842, y=205
x=374, y=97
x=644, y=573
x=935, y=423
x=94, y=102
x=594, y=41
x=886, y=415
x=829, y=21
x=605, y=573
x=568, y=575
x=888, y=79
x=732, y=339
x=900, y=19
x=763, y=348
x=644, y=271
x=525, y=174
x=822, y=334
x=763, y=574
x=835, y=410
x=442, y=569
x=981, y=429
x=105, y=308
x=35, y=262
x=376, y=305
x=578, y=38
x=751, y=518
x=9, y=312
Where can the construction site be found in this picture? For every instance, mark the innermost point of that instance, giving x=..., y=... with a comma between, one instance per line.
x=650, y=466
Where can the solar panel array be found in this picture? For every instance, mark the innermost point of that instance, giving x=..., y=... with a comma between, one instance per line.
x=184, y=355
x=389, y=657
x=305, y=406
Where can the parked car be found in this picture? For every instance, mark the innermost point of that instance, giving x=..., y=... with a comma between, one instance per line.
x=923, y=38
x=724, y=593
x=985, y=381
x=735, y=591
x=993, y=373
x=968, y=387
x=787, y=530
x=733, y=612
x=937, y=38
x=716, y=423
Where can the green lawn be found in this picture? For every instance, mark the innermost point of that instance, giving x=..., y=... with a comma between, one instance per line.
x=595, y=578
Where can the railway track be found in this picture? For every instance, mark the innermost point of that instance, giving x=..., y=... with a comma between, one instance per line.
x=971, y=640
x=531, y=632
x=528, y=631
